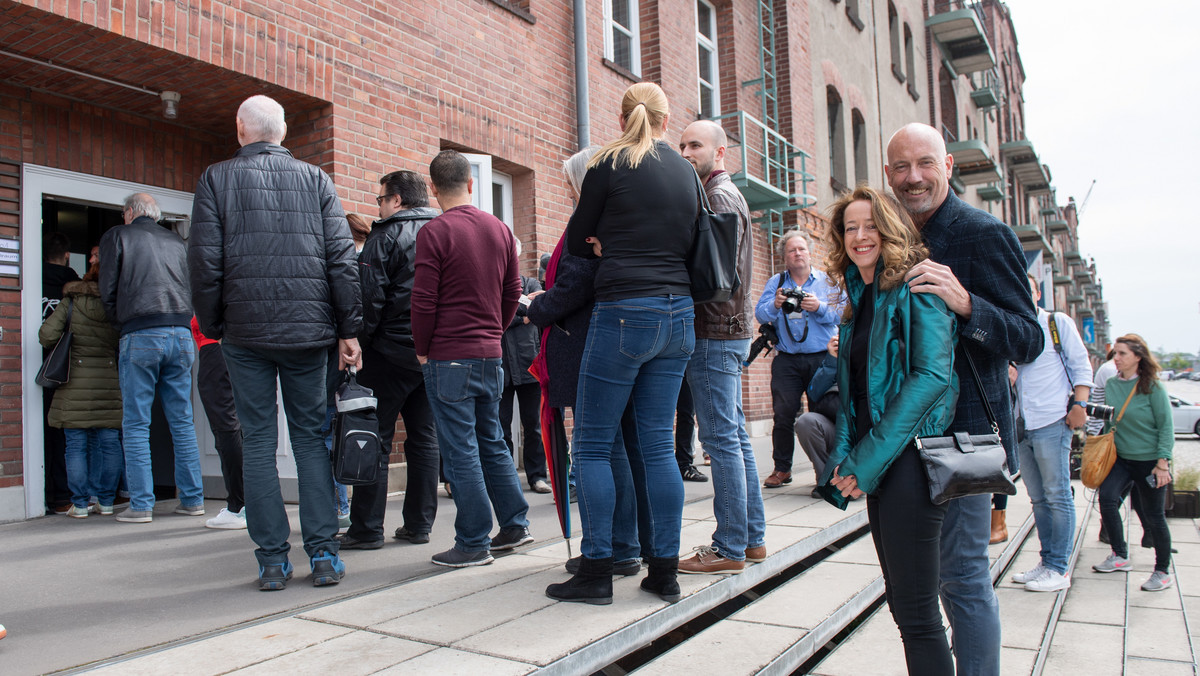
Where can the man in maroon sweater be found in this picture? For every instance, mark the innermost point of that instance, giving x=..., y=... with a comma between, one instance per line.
x=464, y=293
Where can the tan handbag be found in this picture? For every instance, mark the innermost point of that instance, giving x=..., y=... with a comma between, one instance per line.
x=1100, y=452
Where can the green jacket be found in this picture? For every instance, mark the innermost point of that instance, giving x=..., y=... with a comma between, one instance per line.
x=910, y=374
x=92, y=396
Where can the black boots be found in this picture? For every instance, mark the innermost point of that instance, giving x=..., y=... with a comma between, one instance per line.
x=661, y=579
x=592, y=584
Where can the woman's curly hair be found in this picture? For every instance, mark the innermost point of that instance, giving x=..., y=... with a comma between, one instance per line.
x=900, y=248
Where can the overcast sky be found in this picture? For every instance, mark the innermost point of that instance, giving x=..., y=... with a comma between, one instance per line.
x=1112, y=94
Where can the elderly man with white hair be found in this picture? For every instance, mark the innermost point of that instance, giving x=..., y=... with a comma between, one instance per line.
x=274, y=277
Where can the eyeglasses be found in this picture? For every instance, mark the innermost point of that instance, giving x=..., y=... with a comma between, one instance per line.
x=379, y=200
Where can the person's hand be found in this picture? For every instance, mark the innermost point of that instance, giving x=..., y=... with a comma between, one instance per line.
x=596, y=249
x=421, y=359
x=935, y=278
x=349, y=354
x=848, y=485
x=525, y=319
x=810, y=303
x=535, y=294
x=832, y=347
x=1162, y=476
x=779, y=298
x=1076, y=417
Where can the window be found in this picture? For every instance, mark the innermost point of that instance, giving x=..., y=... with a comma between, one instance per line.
x=491, y=191
x=706, y=55
x=910, y=60
x=858, y=130
x=949, y=107
x=894, y=39
x=621, y=44
x=837, y=140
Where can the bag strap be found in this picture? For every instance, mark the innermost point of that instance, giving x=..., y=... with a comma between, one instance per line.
x=987, y=406
x=703, y=194
x=1127, y=400
x=70, y=307
x=1057, y=340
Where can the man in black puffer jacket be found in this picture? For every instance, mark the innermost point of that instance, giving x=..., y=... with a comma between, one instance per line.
x=274, y=277
x=391, y=368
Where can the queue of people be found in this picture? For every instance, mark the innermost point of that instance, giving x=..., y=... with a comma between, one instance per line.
x=433, y=310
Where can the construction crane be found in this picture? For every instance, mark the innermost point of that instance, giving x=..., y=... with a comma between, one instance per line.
x=1085, y=198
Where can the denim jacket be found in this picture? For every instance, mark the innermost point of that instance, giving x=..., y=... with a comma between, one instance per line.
x=910, y=375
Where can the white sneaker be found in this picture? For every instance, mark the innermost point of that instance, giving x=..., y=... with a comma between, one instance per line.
x=227, y=520
x=1022, y=578
x=1048, y=581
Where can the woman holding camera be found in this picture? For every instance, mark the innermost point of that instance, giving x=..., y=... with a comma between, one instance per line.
x=896, y=382
x=637, y=212
x=1145, y=439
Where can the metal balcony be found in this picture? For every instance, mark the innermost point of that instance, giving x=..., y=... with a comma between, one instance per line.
x=960, y=36
x=767, y=177
x=1031, y=238
x=973, y=162
x=1023, y=163
x=1062, y=280
x=1056, y=225
x=992, y=192
x=985, y=97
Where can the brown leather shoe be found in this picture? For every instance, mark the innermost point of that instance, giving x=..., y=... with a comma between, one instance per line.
x=756, y=554
x=708, y=562
x=777, y=479
x=999, y=528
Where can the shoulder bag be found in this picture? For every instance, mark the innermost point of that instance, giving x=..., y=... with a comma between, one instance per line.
x=712, y=260
x=357, y=454
x=1100, y=452
x=966, y=464
x=56, y=369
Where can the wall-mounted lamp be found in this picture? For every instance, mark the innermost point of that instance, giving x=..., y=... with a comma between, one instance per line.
x=170, y=101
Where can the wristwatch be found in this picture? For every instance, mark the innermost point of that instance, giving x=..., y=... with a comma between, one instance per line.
x=1080, y=404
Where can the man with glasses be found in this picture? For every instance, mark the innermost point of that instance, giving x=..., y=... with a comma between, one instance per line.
x=390, y=367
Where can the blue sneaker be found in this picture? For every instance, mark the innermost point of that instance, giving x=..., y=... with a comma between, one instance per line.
x=274, y=576
x=327, y=569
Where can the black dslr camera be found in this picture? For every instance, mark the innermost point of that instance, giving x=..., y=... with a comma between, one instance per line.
x=768, y=337
x=1100, y=411
x=792, y=302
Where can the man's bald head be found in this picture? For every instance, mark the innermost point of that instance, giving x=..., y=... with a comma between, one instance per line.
x=260, y=118
x=918, y=170
x=703, y=144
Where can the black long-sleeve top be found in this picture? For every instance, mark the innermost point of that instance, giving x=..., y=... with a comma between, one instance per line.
x=645, y=220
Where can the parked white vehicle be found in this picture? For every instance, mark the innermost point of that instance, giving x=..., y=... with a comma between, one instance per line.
x=1186, y=415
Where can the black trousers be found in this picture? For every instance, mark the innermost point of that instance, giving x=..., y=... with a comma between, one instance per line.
x=1152, y=501
x=400, y=393
x=685, y=425
x=790, y=375
x=216, y=395
x=529, y=401
x=907, y=528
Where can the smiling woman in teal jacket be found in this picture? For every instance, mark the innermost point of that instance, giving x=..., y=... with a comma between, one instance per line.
x=896, y=379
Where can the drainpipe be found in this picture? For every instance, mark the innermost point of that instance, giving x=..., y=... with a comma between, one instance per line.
x=583, y=123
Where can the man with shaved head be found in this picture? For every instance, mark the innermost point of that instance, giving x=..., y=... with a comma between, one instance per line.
x=977, y=267
x=275, y=278
x=714, y=375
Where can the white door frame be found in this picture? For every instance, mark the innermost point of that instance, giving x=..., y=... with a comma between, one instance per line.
x=38, y=182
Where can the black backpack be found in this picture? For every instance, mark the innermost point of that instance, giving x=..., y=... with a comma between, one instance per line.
x=357, y=454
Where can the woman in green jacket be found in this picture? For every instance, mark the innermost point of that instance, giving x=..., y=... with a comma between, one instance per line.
x=896, y=379
x=1145, y=438
x=88, y=406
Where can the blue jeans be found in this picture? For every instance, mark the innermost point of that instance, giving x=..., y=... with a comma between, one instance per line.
x=714, y=374
x=159, y=360
x=94, y=460
x=636, y=353
x=341, y=498
x=1045, y=468
x=301, y=376
x=966, y=586
x=465, y=397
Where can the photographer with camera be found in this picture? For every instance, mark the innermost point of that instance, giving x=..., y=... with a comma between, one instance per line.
x=796, y=302
x=1053, y=394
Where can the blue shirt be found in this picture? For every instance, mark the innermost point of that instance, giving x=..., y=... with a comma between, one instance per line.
x=822, y=324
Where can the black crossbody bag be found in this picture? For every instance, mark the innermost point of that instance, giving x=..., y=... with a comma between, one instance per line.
x=712, y=260
x=56, y=370
x=966, y=464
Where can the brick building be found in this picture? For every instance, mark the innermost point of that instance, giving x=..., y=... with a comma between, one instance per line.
x=101, y=98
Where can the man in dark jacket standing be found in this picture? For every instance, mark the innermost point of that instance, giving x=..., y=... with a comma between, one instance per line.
x=274, y=278
x=56, y=271
x=520, y=342
x=144, y=288
x=714, y=374
x=977, y=267
x=390, y=366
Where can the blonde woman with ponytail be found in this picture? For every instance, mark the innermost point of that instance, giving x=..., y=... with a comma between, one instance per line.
x=636, y=213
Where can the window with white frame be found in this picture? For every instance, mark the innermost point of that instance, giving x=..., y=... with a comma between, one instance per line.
x=706, y=55
x=492, y=190
x=621, y=42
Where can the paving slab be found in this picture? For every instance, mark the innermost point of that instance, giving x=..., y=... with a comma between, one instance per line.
x=1017, y=661
x=1160, y=634
x=1167, y=599
x=1187, y=578
x=1084, y=648
x=450, y=662
x=227, y=652
x=818, y=514
x=1023, y=617
x=875, y=648
x=355, y=653
x=728, y=648
x=1184, y=530
x=1142, y=667
x=810, y=598
x=1099, y=601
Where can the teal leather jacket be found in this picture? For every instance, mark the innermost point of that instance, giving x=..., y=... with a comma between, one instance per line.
x=910, y=375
